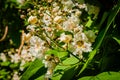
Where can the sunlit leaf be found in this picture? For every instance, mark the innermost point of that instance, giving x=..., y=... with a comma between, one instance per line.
x=6, y=63
x=71, y=60
x=57, y=53
x=34, y=67
x=103, y=76
x=64, y=71
x=117, y=39
x=15, y=65
x=89, y=23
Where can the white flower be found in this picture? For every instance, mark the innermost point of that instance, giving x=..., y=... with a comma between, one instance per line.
x=72, y=23
x=55, y=4
x=80, y=37
x=32, y=19
x=78, y=13
x=49, y=1
x=78, y=51
x=23, y=62
x=65, y=38
x=68, y=4
x=24, y=50
x=35, y=40
x=31, y=28
x=55, y=9
x=46, y=19
x=75, y=19
x=15, y=76
x=84, y=47
x=37, y=47
x=87, y=47
x=3, y=57
x=69, y=25
x=78, y=29
x=83, y=6
x=37, y=52
x=15, y=58
x=27, y=57
x=58, y=19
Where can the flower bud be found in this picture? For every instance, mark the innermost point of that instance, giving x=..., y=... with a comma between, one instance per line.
x=32, y=19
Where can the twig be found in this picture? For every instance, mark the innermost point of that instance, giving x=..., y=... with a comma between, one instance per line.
x=22, y=42
x=5, y=34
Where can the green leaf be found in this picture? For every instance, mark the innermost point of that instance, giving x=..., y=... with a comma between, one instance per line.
x=117, y=39
x=105, y=15
x=3, y=72
x=61, y=67
x=57, y=77
x=1, y=77
x=101, y=36
x=103, y=76
x=85, y=78
x=26, y=64
x=59, y=70
x=70, y=61
x=88, y=61
x=34, y=67
x=41, y=77
x=64, y=70
x=15, y=65
x=57, y=53
x=58, y=33
x=89, y=23
x=69, y=73
x=6, y=63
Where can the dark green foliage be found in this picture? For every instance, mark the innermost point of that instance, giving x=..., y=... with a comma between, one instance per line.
x=103, y=76
x=35, y=70
x=9, y=16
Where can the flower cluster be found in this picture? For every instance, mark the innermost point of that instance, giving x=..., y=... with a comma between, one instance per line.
x=56, y=24
x=51, y=25
x=13, y=64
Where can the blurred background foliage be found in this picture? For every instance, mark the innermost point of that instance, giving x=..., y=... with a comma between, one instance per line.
x=10, y=16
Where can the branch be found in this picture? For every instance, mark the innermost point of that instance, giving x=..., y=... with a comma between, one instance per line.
x=5, y=34
x=22, y=42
